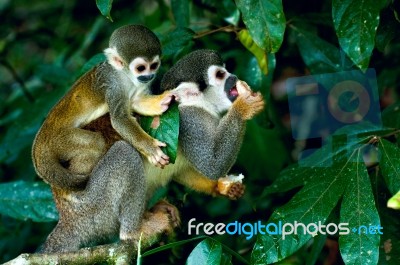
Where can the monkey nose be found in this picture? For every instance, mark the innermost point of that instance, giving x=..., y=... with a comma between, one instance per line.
x=146, y=78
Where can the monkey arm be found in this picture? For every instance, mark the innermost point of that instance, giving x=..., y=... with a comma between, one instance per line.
x=211, y=146
x=152, y=105
x=126, y=125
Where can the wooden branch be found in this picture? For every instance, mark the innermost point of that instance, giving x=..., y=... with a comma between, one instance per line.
x=117, y=253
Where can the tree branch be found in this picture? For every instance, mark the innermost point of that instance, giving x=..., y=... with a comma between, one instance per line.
x=117, y=253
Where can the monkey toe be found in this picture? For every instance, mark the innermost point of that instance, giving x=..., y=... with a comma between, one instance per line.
x=236, y=191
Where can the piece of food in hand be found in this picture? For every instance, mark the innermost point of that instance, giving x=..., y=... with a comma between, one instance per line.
x=225, y=184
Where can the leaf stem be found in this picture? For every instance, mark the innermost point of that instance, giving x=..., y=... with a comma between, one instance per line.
x=229, y=28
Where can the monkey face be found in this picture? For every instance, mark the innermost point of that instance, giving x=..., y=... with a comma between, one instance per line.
x=144, y=70
x=220, y=79
x=221, y=88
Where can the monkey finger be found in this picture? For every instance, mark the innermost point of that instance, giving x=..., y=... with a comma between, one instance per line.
x=159, y=143
x=163, y=163
x=167, y=100
x=162, y=159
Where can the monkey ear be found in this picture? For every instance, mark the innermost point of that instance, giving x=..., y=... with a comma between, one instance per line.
x=114, y=58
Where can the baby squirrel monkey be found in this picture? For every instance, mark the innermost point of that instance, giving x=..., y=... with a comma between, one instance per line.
x=63, y=152
x=213, y=113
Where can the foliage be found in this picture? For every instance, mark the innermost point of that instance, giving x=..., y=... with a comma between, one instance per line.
x=352, y=177
x=166, y=129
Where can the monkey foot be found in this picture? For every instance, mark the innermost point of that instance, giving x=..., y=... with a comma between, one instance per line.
x=165, y=207
x=231, y=186
x=236, y=191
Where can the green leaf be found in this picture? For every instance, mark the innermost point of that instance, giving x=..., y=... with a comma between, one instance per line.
x=233, y=253
x=394, y=202
x=265, y=21
x=165, y=128
x=228, y=10
x=259, y=53
x=319, y=55
x=390, y=165
x=206, y=252
x=27, y=200
x=335, y=148
x=172, y=245
x=355, y=25
x=180, y=10
x=317, y=246
x=312, y=204
x=95, y=60
x=226, y=259
x=175, y=42
x=358, y=209
x=105, y=7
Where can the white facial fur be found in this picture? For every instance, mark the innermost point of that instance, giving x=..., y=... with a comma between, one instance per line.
x=213, y=99
x=215, y=93
x=188, y=94
x=113, y=58
x=139, y=66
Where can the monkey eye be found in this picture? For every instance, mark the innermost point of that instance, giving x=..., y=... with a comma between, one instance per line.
x=140, y=68
x=153, y=66
x=220, y=74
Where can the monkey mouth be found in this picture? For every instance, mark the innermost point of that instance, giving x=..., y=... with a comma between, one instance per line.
x=232, y=93
x=146, y=78
x=230, y=88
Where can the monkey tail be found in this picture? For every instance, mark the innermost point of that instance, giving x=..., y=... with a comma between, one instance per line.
x=50, y=169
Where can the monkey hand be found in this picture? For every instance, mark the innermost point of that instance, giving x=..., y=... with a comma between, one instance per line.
x=153, y=105
x=231, y=186
x=169, y=209
x=156, y=156
x=248, y=103
x=166, y=99
x=162, y=218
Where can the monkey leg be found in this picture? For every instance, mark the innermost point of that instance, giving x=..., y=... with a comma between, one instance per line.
x=191, y=178
x=116, y=190
x=198, y=182
x=152, y=105
x=80, y=150
x=113, y=201
x=63, y=238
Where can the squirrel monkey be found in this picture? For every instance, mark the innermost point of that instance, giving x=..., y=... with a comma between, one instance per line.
x=119, y=87
x=213, y=114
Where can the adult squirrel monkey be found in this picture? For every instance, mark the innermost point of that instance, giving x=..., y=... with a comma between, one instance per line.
x=214, y=107
x=63, y=152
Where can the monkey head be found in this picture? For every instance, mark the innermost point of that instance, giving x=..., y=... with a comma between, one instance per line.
x=200, y=77
x=135, y=50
